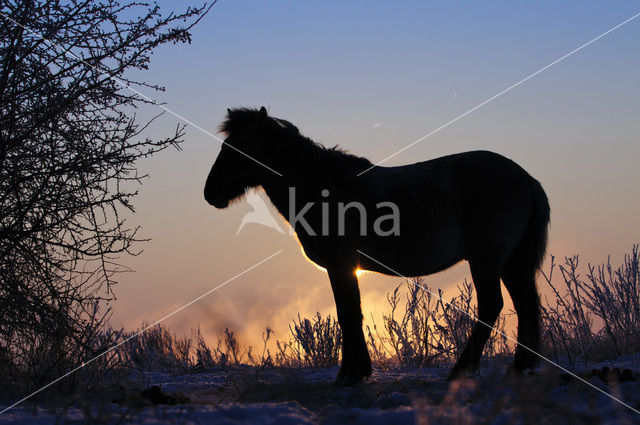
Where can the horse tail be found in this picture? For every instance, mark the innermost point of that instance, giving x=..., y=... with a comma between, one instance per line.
x=530, y=250
x=536, y=235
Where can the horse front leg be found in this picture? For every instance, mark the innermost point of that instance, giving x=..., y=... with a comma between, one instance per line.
x=356, y=363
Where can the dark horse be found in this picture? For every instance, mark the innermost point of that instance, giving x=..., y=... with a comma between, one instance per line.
x=476, y=206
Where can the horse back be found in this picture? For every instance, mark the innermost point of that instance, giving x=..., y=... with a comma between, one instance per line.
x=452, y=208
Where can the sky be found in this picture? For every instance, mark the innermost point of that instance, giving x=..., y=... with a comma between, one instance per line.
x=373, y=77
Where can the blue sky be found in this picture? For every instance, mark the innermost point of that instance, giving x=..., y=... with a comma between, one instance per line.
x=373, y=77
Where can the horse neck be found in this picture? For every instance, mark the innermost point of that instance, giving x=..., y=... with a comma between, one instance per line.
x=305, y=168
x=309, y=168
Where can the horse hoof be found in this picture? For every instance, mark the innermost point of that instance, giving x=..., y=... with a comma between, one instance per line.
x=513, y=374
x=340, y=379
x=350, y=378
x=347, y=381
x=460, y=373
x=456, y=374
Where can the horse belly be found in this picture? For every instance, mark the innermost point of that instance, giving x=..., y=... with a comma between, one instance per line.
x=417, y=253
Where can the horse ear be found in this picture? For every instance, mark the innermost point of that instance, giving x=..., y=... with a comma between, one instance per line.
x=228, y=111
x=263, y=112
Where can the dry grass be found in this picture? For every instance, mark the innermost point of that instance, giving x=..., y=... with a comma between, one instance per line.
x=592, y=315
x=422, y=329
x=595, y=315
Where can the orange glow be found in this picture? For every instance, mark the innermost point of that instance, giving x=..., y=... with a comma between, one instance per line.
x=309, y=260
x=359, y=272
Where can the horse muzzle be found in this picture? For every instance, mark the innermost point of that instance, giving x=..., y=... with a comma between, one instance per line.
x=216, y=201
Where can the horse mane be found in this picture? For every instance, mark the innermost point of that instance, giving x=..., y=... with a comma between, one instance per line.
x=238, y=118
x=334, y=158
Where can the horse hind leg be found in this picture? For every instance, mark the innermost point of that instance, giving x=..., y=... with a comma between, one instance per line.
x=487, y=284
x=519, y=277
x=521, y=285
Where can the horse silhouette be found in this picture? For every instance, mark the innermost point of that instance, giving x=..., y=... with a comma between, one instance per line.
x=476, y=206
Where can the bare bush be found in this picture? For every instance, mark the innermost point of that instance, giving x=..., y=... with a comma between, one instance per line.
x=68, y=150
x=596, y=316
x=459, y=316
x=455, y=320
x=156, y=349
x=409, y=337
x=229, y=350
x=426, y=329
x=567, y=325
x=265, y=359
x=314, y=342
x=613, y=295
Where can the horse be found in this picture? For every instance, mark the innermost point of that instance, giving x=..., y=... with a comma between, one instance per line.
x=476, y=206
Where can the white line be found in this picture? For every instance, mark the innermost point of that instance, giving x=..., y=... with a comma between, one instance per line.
x=125, y=85
x=502, y=333
x=501, y=93
x=140, y=332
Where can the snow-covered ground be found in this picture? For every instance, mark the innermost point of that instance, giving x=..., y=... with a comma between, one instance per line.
x=307, y=396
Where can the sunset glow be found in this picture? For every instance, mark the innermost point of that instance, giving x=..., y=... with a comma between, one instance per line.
x=172, y=168
x=360, y=272
x=308, y=259
x=591, y=151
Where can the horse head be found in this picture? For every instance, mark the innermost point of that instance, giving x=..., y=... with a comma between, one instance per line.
x=238, y=167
